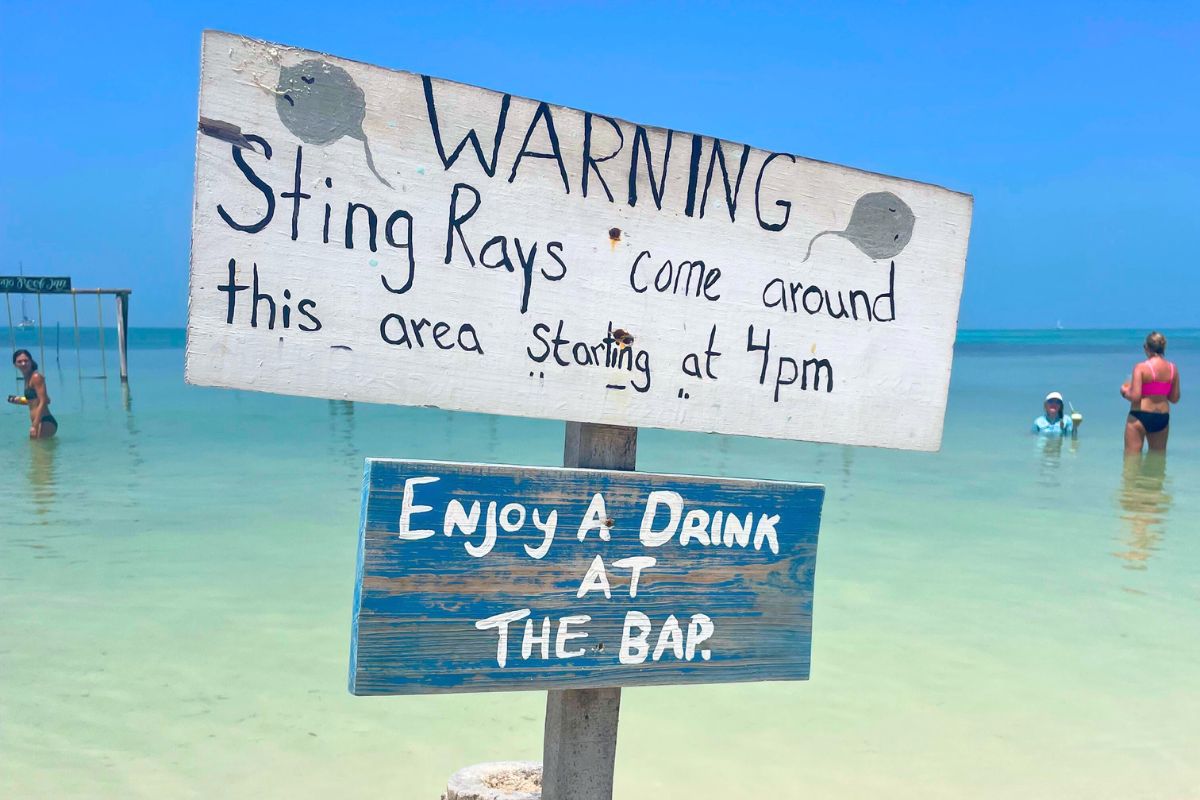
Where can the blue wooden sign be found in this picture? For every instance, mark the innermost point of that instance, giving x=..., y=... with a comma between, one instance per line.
x=476, y=578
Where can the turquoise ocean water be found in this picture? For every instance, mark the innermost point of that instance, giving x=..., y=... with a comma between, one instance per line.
x=1005, y=618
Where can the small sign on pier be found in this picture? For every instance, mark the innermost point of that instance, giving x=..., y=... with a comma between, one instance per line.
x=32, y=284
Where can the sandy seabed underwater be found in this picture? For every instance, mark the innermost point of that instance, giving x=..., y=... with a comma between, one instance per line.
x=1006, y=618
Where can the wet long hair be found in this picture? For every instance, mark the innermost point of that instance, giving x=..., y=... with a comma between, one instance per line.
x=17, y=354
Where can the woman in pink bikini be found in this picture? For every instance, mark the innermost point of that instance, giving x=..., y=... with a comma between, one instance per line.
x=1150, y=392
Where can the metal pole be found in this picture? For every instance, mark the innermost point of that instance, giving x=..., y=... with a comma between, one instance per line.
x=100, y=319
x=41, y=333
x=123, y=333
x=75, y=311
x=579, y=747
x=12, y=337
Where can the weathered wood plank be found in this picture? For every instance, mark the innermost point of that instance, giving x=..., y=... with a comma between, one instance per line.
x=368, y=234
x=743, y=606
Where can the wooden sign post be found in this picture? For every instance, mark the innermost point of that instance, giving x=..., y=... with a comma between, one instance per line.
x=369, y=234
x=579, y=743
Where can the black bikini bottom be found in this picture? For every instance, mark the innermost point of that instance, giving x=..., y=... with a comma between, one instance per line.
x=48, y=417
x=1152, y=421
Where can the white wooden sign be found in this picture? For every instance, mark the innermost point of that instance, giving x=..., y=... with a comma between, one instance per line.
x=367, y=234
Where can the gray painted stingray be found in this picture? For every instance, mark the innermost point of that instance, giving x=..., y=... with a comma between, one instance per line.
x=880, y=226
x=321, y=103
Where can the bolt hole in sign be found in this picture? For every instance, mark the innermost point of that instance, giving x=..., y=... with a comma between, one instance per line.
x=475, y=578
x=366, y=234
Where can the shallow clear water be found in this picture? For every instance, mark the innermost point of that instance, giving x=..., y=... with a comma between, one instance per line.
x=1003, y=618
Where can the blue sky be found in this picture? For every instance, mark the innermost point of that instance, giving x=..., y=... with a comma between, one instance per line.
x=1075, y=126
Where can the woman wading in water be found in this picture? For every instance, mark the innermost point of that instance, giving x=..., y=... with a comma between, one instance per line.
x=1150, y=392
x=42, y=424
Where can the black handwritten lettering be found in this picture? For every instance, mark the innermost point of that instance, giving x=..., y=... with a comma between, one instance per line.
x=656, y=191
x=607, y=353
x=231, y=288
x=303, y=307
x=731, y=193
x=711, y=353
x=693, y=174
x=395, y=329
x=457, y=220
x=406, y=245
x=890, y=294
x=784, y=204
x=542, y=113
x=591, y=163
x=499, y=243
x=554, y=250
x=296, y=195
x=794, y=297
x=526, y=271
x=765, y=347
x=372, y=223
x=697, y=279
x=633, y=272
x=257, y=182
x=539, y=329
x=489, y=167
x=256, y=299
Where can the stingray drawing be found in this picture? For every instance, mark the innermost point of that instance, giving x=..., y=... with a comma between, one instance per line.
x=880, y=226
x=321, y=103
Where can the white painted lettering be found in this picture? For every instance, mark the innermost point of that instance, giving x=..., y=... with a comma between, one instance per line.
x=636, y=564
x=669, y=636
x=737, y=530
x=506, y=521
x=457, y=517
x=547, y=528
x=595, y=517
x=565, y=635
x=489, y=535
x=501, y=622
x=408, y=509
x=531, y=639
x=595, y=579
x=695, y=526
x=674, y=503
x=766, y=530
x=634, y=646
x=699, y=630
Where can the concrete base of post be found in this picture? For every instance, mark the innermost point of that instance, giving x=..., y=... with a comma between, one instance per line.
x=496, y=780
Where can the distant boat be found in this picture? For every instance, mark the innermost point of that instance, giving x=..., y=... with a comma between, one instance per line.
x=25, y=322
x=1058, y=325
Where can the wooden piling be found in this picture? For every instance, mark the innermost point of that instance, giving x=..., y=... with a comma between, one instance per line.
x=123, y=333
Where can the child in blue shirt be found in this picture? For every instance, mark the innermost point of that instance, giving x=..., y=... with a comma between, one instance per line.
x=1053, y=422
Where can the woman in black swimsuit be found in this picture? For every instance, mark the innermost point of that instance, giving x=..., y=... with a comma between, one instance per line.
x=42, y=424
x=1151, y=390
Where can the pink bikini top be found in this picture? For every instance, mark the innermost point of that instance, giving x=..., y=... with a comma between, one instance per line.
x=1157, y=388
